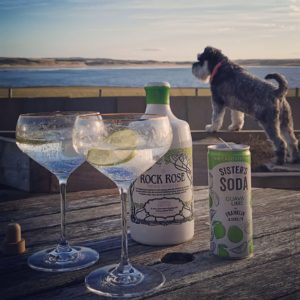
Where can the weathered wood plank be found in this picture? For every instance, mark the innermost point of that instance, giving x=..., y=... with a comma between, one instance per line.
x=276, y=239
x=49, y=204
x=291, y=296
x=204, y=269
x=103, y=212
x=38, y=201
x=259, y=282
x=36, y=206
x=99, y=224
x=43, y=208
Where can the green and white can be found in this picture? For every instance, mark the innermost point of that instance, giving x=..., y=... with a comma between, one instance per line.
x=229, y=181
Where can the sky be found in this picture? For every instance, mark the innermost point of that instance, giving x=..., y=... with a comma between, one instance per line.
x=173, y=30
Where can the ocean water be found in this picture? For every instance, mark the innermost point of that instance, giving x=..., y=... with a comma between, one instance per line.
x=122, y=77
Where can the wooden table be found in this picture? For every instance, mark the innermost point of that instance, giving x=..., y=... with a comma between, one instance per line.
x=94, y=220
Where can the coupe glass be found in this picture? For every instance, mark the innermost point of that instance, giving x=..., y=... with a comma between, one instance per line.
x=47, y=139
x=122, y=147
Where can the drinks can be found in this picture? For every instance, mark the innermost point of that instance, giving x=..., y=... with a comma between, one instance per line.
x=230, y=207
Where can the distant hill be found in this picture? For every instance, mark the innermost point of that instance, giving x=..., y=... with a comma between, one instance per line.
x=269, y=62
x=9, y=62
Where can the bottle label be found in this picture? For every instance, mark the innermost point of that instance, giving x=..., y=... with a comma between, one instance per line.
x=164, y=194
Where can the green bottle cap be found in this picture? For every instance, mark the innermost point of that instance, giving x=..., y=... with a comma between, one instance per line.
x=158, y=93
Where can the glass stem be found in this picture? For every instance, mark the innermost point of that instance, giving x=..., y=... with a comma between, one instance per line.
x=124, y=264
x=63, y=243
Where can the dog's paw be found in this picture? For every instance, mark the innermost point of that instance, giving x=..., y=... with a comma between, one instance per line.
x=234, y=127
x=279, y=161
x=294, y=160
x=210, y=128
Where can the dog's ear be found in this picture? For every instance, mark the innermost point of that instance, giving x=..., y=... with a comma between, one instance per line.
x=212, y=51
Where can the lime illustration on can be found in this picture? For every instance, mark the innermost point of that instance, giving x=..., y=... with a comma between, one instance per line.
x=229, y=182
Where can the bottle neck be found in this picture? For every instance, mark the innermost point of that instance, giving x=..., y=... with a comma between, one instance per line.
x=181, y=130
x=162, y=109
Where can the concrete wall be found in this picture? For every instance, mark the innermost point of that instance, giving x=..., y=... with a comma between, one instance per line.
x=18, y=171
x=194, y=109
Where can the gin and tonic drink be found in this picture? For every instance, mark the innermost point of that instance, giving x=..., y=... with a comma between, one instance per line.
x=47, y=139
x=123, y=146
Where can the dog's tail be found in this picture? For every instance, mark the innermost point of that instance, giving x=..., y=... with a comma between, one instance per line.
x=282, y=84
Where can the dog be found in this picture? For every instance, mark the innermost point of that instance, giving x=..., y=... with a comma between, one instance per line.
x=234, y=87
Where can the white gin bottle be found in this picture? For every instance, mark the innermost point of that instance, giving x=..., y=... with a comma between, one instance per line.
x=161, y=199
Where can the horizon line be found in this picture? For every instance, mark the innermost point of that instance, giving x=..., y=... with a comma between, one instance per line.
x=130, y=59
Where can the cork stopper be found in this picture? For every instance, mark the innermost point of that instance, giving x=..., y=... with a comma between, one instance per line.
x=13, y=243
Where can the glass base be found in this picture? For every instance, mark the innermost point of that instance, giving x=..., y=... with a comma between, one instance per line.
x=138, y=281
x=54, y=260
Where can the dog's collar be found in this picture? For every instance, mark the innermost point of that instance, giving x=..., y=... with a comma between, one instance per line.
x=215, y=70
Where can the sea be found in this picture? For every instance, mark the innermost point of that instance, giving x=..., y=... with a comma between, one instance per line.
x=123, y=77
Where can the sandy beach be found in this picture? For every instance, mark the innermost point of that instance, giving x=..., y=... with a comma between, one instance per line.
x=52, y=63
x=49, y=63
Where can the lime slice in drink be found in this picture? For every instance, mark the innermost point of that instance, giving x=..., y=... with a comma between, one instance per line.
x=124, y=139
x=98, y=157
x=28, y=141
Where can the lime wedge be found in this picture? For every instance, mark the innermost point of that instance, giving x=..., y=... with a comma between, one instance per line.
x=98, y=157
x=22, y=140
x=125, y=139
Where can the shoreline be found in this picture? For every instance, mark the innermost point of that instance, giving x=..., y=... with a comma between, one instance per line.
x=82, y=63
x=104, y=66
x=123, y=66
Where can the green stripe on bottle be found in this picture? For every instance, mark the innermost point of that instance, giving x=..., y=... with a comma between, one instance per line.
x=157, y=94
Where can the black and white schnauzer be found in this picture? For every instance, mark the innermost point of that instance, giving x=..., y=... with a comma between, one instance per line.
x=235, y=88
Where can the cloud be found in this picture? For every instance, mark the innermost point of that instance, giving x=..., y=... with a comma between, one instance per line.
x=24, y=4
x=294, y=5
x=152, y=49
x=294, y=9
x=150, y=28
